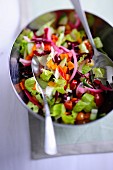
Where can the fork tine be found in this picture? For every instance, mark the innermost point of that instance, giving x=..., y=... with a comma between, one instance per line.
x=109, y=74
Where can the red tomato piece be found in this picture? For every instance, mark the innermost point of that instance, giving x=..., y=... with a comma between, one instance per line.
x=73, y=84
x=68, y=105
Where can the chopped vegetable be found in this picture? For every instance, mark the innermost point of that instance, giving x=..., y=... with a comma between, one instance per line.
x=93, y=114
x=98, y=42
x=68, y=119
x=34, y=107
x=46, y=74
x=57, y=110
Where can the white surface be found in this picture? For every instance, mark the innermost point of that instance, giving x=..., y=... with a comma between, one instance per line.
x=14, y=127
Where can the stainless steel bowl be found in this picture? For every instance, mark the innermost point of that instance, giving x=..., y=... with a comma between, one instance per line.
x=99, y=27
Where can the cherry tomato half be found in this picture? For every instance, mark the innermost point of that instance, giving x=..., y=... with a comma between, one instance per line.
x=73, y=84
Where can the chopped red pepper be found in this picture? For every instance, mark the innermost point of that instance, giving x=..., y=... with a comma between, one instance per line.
x=61, y=71
x=32, y=99
x=68, y=105
x=47, y=47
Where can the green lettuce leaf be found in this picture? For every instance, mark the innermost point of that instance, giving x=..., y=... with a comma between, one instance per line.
x=85, y=104
x=42, y=83
x=29, y=85
x=60, y=90
x=21, y=43
x=60, y=39
x=51, y=101
x=98, y=72
x=81, y=58
x=98, y=42
x=39, y=98
x=57, y=110
x=33, y=107
x=87, y=97
x=73, y=36
x=90, y=106
x=46, y=75
x=68, y=119
x=86, y=69
x=60, y=82
x=79, y=106
x=83, y=48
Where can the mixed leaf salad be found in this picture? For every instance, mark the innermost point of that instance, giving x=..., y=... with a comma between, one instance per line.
x=73, y=86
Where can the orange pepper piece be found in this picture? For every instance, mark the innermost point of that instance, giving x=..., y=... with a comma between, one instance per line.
x=73, y=100
x=70, y=65
x=67, y=113
x=50, y=64
x=34, y=88
x=79, y=40
x=22, y=85
x=64, y=55
x=51, y=83
x=67, y=77
x=54, y=38
x=65, y=69
x=47, y=47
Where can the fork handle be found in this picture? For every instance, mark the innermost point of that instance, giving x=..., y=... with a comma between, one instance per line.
x=82, y=16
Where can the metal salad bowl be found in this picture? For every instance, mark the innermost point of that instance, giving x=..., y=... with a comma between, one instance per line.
x=99, y=28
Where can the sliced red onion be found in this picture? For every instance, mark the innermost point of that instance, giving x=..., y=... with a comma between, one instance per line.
x=87, y=75
x=94, y=90
x=64, y=49
x=105, y=88
x=80, y=90
x=75, y=65
x=57, y=49
x=78, y=22
x=38, y=45
x=25, y=62
x=40, y=40
x=40, y=54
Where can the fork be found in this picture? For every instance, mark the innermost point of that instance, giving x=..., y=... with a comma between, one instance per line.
x=100, y=59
